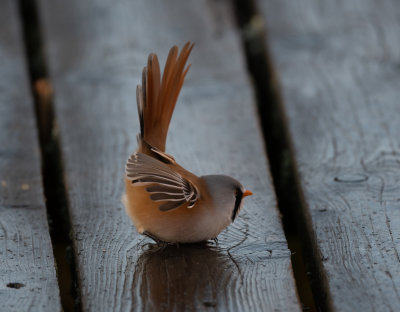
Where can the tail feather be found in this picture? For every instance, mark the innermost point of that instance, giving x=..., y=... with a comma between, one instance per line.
x=156, y=99
x=140, y=107
x=173, y=85
x=168, y=69
x=152, y=91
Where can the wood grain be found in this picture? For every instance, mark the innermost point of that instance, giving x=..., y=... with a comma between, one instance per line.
x=96, y=51
x=338, y=67
x=27, y=274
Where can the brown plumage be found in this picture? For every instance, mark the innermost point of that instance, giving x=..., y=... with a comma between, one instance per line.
x=164, y=200
x=158, y=98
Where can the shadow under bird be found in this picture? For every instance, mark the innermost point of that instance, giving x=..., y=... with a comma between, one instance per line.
x=164, y=200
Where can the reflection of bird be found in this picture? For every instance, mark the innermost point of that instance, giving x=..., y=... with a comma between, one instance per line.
x=189, y=278
x=165, y=201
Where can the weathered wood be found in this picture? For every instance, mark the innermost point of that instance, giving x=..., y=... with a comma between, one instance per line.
x=27, y=274
x=96, y=51
x=338, y=67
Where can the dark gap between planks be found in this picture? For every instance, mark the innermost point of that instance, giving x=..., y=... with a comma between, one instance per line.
x=52, y=170
x=308, y=272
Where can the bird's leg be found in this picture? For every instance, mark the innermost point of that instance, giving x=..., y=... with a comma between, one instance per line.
x=151, y=247
x=154, y=238
x=160, y=245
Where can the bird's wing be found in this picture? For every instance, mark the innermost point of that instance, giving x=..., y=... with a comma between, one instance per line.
x=163, y=184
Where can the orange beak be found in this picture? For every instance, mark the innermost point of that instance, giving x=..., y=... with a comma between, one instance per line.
x=247, y=193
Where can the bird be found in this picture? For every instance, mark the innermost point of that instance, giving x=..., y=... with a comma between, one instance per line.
x=165, y=201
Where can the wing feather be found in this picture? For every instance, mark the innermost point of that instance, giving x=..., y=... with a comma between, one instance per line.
x=165, y=185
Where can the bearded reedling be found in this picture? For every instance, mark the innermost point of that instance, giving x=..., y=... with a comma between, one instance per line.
x=165, y=201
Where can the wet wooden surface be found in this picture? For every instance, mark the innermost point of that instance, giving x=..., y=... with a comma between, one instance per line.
x=27, y=274
x=95, y=52
x=338, y=67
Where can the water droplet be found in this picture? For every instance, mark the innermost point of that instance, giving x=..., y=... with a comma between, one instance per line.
x=351, y=178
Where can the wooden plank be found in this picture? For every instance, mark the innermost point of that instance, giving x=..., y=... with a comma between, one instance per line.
x=338, y=67
x=27, y=274
x=96, y=52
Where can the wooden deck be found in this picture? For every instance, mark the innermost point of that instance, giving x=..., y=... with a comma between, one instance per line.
x=317, y=83
x=27, y=274
x=339, y=75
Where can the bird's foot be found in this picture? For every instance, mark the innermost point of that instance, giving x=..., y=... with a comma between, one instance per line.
x=159, y=244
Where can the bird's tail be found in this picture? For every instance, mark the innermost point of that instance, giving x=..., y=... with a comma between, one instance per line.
x=156, y=97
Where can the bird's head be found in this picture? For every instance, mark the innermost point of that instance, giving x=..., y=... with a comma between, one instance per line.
x=227, y=194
